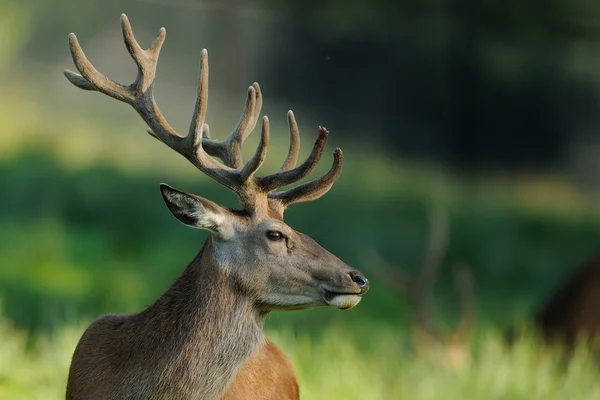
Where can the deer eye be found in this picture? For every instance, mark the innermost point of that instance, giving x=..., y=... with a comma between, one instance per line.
x=275, y=235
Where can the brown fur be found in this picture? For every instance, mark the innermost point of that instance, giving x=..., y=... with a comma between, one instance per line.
x=573, y=310
x=203, y=338
x=205, y=332
x=172, y=337
x=268, y=375
x=188, y=344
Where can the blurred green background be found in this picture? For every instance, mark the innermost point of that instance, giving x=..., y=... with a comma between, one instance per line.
x=489, y=111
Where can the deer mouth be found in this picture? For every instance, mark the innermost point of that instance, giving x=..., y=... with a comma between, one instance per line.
x=342, y=300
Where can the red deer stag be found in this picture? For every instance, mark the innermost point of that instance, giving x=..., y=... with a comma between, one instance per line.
x=446, y=348
x=203, y=338
x=572, y=311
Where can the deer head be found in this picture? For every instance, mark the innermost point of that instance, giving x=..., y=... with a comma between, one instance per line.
x=264, y=258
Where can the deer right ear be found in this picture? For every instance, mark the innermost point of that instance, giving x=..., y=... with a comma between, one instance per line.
x=193, y=210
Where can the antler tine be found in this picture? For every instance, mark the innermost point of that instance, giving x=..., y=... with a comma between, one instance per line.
x=436, y=249
x=463, y=279
x=259, y=156
x=233, y=155
x=257, y=109
x=199, y=114
x=230, y=150
x=436, y=246
x=312, y=190
x=89, y=78
x=285, y=177
x=292, y=156
x=146, y=60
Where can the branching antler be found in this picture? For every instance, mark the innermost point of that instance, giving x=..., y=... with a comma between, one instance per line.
x=430, y=336
x=463, y=280
x=434, y=255
x=255, y=193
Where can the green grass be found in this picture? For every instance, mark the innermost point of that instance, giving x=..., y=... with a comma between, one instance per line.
x=371, y=363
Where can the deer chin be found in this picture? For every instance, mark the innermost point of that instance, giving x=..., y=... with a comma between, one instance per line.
x=342, y=301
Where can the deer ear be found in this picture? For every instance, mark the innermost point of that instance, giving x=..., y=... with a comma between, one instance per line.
x=193, y=210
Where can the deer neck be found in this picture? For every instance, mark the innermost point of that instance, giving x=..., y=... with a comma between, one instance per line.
x=211, y=329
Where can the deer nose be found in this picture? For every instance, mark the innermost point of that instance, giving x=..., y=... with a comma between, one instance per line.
x=360, y=280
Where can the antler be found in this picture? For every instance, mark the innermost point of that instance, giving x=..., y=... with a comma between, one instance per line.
x=419, y=290
x=463, y=280
x=255, y=193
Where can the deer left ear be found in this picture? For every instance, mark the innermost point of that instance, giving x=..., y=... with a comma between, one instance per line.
x=195, y=211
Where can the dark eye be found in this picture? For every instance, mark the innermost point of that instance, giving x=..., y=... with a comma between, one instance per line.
x=275, y=235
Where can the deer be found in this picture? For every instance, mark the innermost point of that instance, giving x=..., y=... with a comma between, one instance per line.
x=570, y=313
x=203, y=338
x=444, y=347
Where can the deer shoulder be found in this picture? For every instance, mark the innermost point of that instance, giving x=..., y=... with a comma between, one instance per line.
x=268, y=376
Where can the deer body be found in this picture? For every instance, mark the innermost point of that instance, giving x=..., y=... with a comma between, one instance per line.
x=571, y=313
x=203, y=338
x=188, y=345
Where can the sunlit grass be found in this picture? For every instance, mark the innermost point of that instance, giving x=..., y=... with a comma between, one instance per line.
x=37, y=371
x=340, y=364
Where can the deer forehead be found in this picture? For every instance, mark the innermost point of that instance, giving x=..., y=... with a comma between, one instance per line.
x=255, y=225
